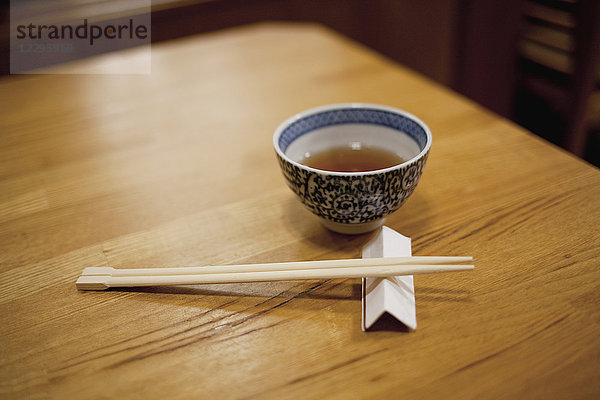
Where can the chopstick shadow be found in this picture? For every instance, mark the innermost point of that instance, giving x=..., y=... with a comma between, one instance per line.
x=347, y=291
x=330, y=290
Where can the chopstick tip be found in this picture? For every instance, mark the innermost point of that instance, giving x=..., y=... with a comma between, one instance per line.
x=91, y=283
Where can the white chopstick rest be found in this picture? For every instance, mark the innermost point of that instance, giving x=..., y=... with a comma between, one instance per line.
x=100, y=278
x=393, y=295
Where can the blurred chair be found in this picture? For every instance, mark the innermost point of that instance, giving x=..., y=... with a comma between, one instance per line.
x=559, y=50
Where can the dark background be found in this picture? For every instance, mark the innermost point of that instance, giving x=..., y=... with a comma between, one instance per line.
x=535, y=62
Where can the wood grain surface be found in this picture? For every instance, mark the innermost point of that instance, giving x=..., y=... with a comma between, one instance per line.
x=176, y=168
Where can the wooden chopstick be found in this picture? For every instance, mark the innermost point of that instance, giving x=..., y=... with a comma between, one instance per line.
x=100, y=278
x=101, y=282
x=354, y=262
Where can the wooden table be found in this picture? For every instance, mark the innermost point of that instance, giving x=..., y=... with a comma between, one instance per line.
x=176, y=168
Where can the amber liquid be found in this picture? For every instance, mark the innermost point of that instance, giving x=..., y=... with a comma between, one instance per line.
x=352, y=158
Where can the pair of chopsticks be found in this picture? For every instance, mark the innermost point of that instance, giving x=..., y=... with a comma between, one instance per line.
x=100, y=278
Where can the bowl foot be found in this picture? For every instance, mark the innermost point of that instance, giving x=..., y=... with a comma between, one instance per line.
x=352, y=229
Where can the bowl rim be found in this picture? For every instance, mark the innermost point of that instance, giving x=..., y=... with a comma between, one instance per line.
x=341, y=106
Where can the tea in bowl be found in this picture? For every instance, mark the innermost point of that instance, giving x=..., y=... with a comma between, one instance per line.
x=352, y=164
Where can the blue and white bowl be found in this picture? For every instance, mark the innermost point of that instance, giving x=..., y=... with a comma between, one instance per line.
x=352, y=202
